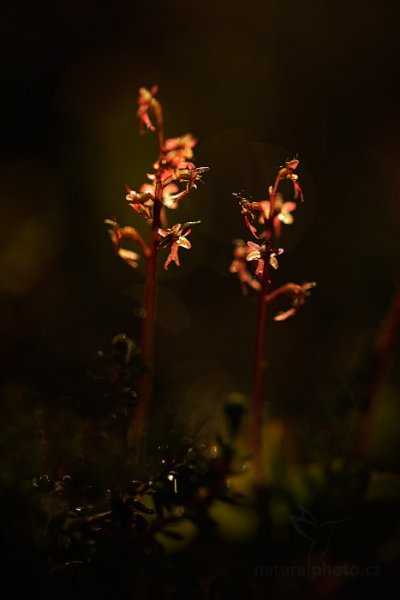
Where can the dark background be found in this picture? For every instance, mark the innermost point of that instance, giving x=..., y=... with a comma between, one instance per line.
x=256, y=82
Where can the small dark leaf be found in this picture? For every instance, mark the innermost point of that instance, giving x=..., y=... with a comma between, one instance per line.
x=172, y=534
x=234, y=413
x=142, y=507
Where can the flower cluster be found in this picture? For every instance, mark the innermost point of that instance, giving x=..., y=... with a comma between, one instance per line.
x=264, y=220
x=174, y=176
x=259, y=213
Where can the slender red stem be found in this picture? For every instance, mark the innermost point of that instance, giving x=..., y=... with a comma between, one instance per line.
x=256, y=419
x=138, y=428
x=151, y=280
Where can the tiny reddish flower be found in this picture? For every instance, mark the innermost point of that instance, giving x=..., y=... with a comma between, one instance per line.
x=292, y=164
x=282, y=212
x=190, y=174
x=239, y=266
x=286, y=172
x=170, y=193
x=248, y=210
x=296, y=186
x=166, y=174
x=141, y=202
x=148, y=104
x=298, y=294
x=261, y=253
x=176, y=151
x=175, y=237
x=120, y=234
x=130, y=257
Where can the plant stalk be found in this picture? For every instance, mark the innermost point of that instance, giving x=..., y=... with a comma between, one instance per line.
x=256, y=422
x=138, y=428
x=256, y=419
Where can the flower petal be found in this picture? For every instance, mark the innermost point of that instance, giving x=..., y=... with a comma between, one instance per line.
x=254, y=246
x=292, y=164
x=148, y=188
x=308, y=285
x=163, y=232
x=254, y=255
x=273, y=262
x=288, y=207
x=182, y=241
x=265, y=207
x=282, y=316
x=129, y=256
x=172, y=257
x=286, y=218
x=260, y=268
